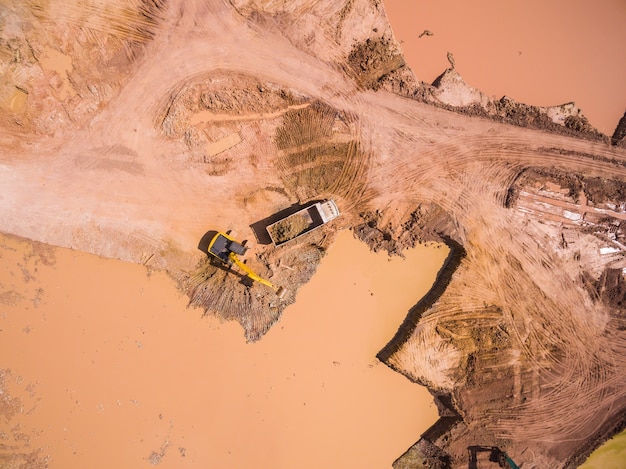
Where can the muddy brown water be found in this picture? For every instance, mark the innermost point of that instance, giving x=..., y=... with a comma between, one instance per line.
x=536, y=52
x=58, y=66
x=112, y=370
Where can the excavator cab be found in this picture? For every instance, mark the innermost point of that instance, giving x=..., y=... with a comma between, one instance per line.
x=227, y=250
x=222, y=245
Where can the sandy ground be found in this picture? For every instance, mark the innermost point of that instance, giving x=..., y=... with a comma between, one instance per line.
x=192, y=125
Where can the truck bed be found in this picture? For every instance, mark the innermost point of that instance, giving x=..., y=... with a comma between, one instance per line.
x=297, y=224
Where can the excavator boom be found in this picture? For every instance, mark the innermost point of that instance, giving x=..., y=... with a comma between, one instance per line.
x=226, y=249
x=249, y=272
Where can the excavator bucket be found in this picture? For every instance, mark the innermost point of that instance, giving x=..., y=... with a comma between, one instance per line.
x=281, y=292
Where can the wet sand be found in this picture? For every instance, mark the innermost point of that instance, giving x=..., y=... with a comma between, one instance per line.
x=112, y=370
x=540, y=53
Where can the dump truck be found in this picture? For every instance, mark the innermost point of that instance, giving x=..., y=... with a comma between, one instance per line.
x=302, y=222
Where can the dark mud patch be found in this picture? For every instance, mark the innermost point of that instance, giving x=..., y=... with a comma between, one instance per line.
x=602, y=191
x=426, y=455
x=370, y=61
x=426, y=223
x=609, y=288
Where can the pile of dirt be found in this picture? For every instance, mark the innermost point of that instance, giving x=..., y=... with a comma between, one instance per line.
x=619, y=136
x=538, y=176
x=427, y=222
x=256, y=97
x=520, y=114
x=598, y=190
x=289, y=228
x=225, y=95
x=373, y=59
x=523, y=115
x=449, y=91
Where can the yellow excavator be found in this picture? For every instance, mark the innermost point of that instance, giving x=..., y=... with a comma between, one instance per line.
x=227, y=250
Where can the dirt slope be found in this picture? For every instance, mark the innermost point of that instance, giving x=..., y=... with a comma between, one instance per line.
x=131, y=131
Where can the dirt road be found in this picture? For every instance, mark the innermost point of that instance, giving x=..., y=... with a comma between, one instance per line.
x=217, y=115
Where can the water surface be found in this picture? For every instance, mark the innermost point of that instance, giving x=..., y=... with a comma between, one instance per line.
x=112, y=370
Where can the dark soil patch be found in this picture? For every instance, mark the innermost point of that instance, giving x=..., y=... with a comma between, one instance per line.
x=372, y=59
x=306, y=126
x=600, y=191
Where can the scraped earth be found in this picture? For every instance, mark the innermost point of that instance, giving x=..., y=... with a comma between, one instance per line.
x=134, y=129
